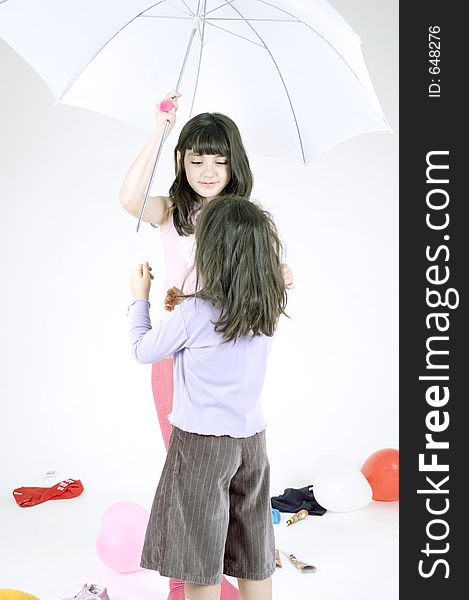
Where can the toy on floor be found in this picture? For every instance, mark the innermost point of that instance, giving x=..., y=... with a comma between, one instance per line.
x=276, y=518
x=301, y=566
x=339, y=485
x=299, y=516
x=381, y=469
x=15, y=595
x=120, y=540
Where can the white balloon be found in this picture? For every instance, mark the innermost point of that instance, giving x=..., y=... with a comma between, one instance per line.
x=339, y=486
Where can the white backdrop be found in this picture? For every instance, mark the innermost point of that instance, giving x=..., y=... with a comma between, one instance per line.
x=71, y=397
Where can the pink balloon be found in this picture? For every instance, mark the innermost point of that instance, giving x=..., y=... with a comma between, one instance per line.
x=120, y=510
x=120, y=540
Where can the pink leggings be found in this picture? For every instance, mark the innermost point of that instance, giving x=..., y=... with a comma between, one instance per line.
x=162, y=385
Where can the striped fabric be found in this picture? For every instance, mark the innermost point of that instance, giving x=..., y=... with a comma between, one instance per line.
x=211, y=513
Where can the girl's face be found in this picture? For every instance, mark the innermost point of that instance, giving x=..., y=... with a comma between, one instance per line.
x=207, y=174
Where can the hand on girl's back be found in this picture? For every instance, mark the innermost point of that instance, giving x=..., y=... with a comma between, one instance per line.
x=140, y=281
x=174, y=296
x=166, y=111
x=287, y=277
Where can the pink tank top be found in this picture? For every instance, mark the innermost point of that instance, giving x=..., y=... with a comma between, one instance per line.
x=178, y=256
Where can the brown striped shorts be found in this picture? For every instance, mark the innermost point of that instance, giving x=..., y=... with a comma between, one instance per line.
x=211, y=514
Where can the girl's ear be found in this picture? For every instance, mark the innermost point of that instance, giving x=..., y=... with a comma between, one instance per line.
x=178, y=160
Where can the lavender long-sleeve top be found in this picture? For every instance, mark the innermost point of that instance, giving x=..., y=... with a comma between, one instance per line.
x=217, y=384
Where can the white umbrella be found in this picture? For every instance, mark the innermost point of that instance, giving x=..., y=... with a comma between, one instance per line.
x=294, y=82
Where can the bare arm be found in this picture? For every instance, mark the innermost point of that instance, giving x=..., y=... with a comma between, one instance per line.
x=134, y=185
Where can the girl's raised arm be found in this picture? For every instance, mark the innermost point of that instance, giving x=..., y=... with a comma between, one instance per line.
x=134, y=185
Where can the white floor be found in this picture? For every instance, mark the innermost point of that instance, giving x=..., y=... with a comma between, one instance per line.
x=49, y=551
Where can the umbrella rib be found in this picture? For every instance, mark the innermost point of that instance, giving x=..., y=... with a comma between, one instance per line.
x=198, y=20
x=187, y=8
x=317, y=33
x=235, y=34
x=104, y=45
x=250, y=20
x=202, y=36
x=165, y=17
x=218, y=7
x=282, y=79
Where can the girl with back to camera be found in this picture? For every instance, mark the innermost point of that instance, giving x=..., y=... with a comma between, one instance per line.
x=210, y=161
x=211, y=514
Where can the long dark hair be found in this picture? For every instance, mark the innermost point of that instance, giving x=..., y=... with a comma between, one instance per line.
x=208, y=133
x=238, y=265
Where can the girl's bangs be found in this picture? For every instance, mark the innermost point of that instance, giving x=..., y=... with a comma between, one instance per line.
x=210, y=140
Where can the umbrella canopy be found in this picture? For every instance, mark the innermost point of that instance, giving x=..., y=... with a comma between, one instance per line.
x=294, y=82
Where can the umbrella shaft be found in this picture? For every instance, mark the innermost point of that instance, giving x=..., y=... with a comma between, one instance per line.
x=147, y=191
x=163, y=137
x=186, y=56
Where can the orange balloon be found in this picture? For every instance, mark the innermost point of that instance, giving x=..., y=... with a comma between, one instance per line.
x=382, y=472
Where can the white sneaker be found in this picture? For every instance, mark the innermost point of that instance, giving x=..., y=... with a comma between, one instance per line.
x=91, y=592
